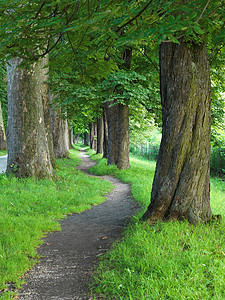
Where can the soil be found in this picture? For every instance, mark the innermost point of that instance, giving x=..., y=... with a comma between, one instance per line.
x=68, y=257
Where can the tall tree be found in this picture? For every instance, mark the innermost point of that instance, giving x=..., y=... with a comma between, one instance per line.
x=46, y=107
x=3, y=143
x=28, y=153
x=181, y=187
x=100, y=135
x=60, y=134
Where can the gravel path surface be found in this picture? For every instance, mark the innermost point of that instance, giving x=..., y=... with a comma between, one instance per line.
x=68, y=257
x=3, y=163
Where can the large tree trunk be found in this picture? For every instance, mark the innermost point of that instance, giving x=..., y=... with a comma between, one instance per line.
x=112, y=122
x=3, y=143
x=46, y=108
x=123, y=133
x=60, y=135
x=123, y=120
x=181, y=187
x=105, y=142
x=100, y=135
x=28, y=153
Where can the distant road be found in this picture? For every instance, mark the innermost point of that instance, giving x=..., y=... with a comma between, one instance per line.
x=3, y=162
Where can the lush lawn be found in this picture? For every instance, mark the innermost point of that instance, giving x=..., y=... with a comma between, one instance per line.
x=170, y=260
x=29, y=209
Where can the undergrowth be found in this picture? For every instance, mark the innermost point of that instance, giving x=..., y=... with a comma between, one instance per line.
x=30, y=208
x=170, y=260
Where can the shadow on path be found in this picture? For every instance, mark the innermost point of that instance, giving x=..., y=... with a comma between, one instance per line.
x=69, y=256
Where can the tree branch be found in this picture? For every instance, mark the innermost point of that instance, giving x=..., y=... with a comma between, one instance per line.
x=135, y=17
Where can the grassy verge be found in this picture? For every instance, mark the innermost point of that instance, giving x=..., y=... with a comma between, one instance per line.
x=170, y=260
x=29, y=209
x=3, y=152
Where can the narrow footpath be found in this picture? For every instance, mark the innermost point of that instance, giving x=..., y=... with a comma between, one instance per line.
x=69, y=256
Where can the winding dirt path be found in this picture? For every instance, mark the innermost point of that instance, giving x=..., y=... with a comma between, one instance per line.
x=69, y=256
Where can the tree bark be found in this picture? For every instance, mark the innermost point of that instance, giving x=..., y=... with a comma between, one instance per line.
x=86, y=139
x=105, y=142
x=100, y=135
x=28, y=153
x=93, y=136
x=181, y=187
x=123, y=120
x=123, y=133
x=46, y=108
x=70, y=138
x=60, y=135
x=112, y=122
x=77, y=138
x=3, y=142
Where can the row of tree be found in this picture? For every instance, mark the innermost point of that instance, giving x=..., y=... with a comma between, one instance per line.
x=98, y=56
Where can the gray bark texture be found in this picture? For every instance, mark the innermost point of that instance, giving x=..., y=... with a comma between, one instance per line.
x=70, y=138
x=123, y=133
x=28, y=153
x=3, y=142
x=93, y=136
x=181, y=188
x=46, y=108
x=105, y=141
x=60, y=134
x=112, y=122
x=100, y=135
x=86, y=139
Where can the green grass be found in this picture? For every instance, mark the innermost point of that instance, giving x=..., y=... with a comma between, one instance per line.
x=30, y=208
x=170, y=260
x=3, y=152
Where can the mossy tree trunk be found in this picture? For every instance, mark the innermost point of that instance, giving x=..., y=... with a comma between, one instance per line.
x=46, y=108
x=86, y=139
x=123, y=134
x=100, y=135
x=60, y=134
x=70, y=138
x=105, y=141
x=28, y=153
x=181, y=187
x=123, y=120
x=93, y=135
x=3, y=143
x=112, y=123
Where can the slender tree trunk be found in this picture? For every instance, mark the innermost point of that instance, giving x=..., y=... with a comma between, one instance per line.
x=60, y=135
x=46, y=108
x=181, y=186
x=77, y=138
x=3, y=143
x=93, y=136
x=123, y=133
x=105, y=143
x=112, y=122
x=71, y=138
x=100, y=135
x=86, y=139
x=28, y=153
